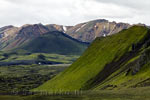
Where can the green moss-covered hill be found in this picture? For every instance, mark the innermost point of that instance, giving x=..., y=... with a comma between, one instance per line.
x=114, y=62
x=54, y=43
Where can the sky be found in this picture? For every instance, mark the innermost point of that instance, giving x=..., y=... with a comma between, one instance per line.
x=72, y=12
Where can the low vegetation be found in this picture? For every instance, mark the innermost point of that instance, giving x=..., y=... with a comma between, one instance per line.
x=24, y=78
x=23, y=56
x=125, y=94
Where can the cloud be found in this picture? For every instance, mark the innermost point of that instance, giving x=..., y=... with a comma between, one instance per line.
x=71, y=12
x=137, y=4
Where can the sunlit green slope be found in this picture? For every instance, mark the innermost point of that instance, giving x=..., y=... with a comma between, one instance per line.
x=105, y=56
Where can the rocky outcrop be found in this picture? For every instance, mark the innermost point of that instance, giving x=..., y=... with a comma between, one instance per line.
x=5, y=28
x=32, y=30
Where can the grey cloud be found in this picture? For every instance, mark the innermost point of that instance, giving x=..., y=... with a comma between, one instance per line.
x=17, y=1
x=140, y=4
x=70, y=12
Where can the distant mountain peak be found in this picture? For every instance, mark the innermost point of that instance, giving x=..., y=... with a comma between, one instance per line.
x=88, y=31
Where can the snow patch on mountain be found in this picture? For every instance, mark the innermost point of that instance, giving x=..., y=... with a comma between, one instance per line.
x=104, y=35
x=80, y=27
x=104, y=27
x=83, y=25
x=64, y=28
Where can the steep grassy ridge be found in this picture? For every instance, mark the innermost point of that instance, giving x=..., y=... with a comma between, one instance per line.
x=132, y=74
x=83, y=74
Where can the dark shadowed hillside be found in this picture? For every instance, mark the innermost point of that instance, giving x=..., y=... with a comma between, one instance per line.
x=55, y=42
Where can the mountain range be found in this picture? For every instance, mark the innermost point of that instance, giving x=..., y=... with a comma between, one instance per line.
x=38, y=38
x=12, y=37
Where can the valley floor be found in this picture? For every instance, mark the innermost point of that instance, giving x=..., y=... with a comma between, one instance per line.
x=26, y=77
x=128, y=94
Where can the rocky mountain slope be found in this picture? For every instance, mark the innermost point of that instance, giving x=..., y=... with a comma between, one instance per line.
x=88, y=31
x=12, y=37
x=114, y=62
x=39, y=38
